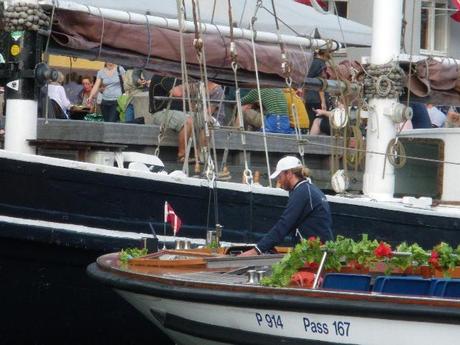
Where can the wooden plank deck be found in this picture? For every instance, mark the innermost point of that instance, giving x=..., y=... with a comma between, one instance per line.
x=144, y=138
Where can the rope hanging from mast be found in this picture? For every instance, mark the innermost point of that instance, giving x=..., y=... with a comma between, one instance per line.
x=286, y=69
x=203, y=88
x=256, y=70
x=247, y=173
x=203, y=94
x=185, y=89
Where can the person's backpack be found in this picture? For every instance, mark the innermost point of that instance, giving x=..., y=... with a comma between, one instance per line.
x=292, y=98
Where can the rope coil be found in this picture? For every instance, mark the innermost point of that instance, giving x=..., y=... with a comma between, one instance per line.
x=383, y=81
x=24, y=16
x=396, y=153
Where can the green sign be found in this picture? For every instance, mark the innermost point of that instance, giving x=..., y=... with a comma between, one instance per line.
x=17, y=35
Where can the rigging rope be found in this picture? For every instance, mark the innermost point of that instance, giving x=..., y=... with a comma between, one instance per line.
x=186, y=95
x=206, y=104
x=247, y=173
x=256, y=70
x=149, y=35
x=98, y=56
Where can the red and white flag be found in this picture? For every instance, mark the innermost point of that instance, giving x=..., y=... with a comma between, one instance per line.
x=172, y=218
x=308, y=2
x=456, y=15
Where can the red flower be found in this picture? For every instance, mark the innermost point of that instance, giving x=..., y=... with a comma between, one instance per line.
x=314, y=239
x=434, y=259
x=383, y=250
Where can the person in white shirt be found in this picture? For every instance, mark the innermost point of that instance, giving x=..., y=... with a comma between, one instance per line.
x=57, y=93
x=437, y=117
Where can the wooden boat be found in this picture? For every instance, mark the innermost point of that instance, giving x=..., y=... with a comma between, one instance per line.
x=209, y=300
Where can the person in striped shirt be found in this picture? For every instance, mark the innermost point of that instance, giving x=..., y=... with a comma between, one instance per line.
x=275, y=109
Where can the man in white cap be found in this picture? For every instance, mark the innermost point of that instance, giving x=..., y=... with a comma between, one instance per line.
x=307, y=212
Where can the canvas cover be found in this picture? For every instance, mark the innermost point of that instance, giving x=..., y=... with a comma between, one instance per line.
x=158, y=49
x=294, y=18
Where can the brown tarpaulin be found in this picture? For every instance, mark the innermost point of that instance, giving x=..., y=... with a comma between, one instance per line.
x=148, y=46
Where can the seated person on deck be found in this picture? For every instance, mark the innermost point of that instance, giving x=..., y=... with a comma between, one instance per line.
x=134, y=83
x=57, y=93
x=87, y=85
x=452, y=119
x=275, y=109
x=169, y=113
x=302, y=116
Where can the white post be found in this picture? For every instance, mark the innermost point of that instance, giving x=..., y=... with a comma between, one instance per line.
x=378, y=180
x=20, y=125
x=21, y=104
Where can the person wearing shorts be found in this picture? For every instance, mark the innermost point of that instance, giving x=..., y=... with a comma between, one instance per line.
x=321, y=125
x=169, y=113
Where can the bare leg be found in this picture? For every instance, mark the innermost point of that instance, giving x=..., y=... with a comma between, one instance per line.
x=315, y=129
x=182, y=139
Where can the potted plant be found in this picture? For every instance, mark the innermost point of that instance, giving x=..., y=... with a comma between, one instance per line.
x=410, y=259
x=444, y=260
x=359, y=256
x=305, y=256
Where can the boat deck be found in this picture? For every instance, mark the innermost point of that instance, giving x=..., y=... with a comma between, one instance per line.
x=208, y=271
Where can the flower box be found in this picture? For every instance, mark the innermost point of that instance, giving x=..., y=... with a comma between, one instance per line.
x=452, y=273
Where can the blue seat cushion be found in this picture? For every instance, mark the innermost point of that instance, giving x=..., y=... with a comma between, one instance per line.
x=349, y=282
x=403, y=285
x=446, y=288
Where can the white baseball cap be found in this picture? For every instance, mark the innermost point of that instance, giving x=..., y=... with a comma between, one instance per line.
x=286, y=163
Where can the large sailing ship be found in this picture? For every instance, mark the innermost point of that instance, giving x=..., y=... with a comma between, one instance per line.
x=52, y=205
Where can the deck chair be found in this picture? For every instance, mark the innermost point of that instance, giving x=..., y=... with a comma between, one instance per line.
x=58, y=112
x=54, y=109
x=349, y=282
x=403, y=285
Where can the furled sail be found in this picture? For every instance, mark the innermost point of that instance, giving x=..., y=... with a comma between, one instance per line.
x=126, y=35
x=295, y=18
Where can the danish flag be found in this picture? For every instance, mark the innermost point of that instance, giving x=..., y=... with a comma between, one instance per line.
x=456, y=15
x=172, y=218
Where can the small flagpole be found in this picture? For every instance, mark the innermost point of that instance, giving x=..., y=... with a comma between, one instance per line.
x=164, y=224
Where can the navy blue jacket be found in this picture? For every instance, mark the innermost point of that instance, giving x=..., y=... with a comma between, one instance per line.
x=308, y=211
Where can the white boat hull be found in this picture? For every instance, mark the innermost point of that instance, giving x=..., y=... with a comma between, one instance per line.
x=287, y=327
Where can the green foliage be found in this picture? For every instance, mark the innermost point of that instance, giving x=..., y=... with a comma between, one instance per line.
x=401, y=261
x=365, y=253
x=417, y=257
x=343, y=248
x=335, y=255
x=213, y=245
x=447, y=258
x=131, y=253
x=306, y=252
